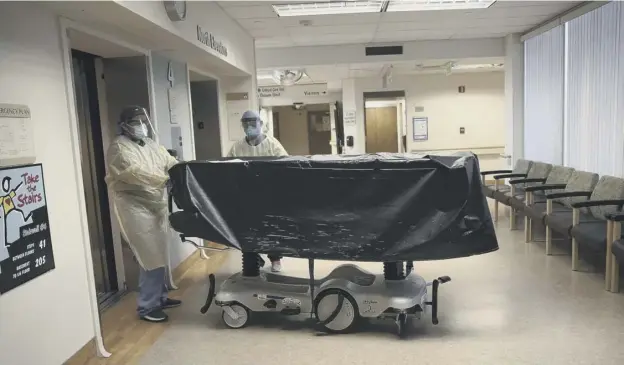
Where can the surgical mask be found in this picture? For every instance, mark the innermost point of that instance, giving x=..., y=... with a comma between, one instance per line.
x=138, y=131
x=253, y=132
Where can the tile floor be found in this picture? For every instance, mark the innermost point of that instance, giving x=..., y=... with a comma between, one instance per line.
x=514, y=306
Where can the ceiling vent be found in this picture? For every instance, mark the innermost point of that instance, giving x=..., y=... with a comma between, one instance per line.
x=384, y=51
x=287, y=77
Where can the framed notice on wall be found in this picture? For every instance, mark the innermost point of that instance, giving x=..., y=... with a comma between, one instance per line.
x=17, y=144
x=25, y=240
x=421, y=128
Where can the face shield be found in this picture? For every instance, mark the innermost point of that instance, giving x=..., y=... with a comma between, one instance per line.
x=252, y=127
x=136, y=124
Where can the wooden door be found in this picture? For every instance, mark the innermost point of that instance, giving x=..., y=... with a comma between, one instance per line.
x=381, y=130
x=319, y=136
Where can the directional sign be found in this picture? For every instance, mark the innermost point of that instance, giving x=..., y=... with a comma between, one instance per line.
x=293, y=92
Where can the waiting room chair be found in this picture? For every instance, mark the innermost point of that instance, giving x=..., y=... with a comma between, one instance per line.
x=534, y=204
x=514, y=198
x=559, y=213
x=590, y=228
x=520, y=170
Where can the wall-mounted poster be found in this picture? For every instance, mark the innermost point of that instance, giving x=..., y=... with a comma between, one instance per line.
x=421, y=128
x=25, y=240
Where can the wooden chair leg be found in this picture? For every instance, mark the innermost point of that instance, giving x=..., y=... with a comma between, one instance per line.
x=528, y=234
x=616, y=232
x=512, y=218
x=609, y=255
x=575, y=245
x=495, y=210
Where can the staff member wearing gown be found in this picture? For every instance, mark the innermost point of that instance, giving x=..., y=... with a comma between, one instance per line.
x=257, y=144
x=137, y=176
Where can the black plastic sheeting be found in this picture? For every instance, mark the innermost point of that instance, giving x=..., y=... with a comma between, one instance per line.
x=381, y=207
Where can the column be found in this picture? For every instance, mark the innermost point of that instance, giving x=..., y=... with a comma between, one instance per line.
x=514, y=98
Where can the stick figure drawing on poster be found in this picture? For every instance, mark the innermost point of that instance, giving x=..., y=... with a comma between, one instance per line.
x=8, y=206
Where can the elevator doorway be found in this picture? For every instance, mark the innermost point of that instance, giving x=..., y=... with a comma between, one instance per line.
x=384, y=122
x=107, y=77
x=93, y=174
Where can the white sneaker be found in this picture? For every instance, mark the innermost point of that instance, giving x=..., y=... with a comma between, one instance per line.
x=276, y=266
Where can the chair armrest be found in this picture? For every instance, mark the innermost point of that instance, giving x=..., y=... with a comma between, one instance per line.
x=545, y=187
x=507, y=176
x=598, y=203
x=522, y=181
x=495, y=172
x=569, y=194
x=616, y=217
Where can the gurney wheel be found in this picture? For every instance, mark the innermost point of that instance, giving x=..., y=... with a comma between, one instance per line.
x=336, y=310
x=235, y=316
x=403, y=324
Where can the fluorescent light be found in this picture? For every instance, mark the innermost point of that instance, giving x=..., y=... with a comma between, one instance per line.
x=420, y=5
x=328, y=8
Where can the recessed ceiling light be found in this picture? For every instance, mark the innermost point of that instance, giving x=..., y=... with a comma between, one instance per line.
x=420, y=5
x=328, y=8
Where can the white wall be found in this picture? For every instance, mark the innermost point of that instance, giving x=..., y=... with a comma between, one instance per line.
x=480, y=110
x=210, y=16
x=159, y=66
x=234, y=85
x=48, y=319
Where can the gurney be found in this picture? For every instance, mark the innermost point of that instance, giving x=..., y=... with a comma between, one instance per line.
x=389, y=208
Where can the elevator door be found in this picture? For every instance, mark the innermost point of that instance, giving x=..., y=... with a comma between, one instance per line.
x=93, y=173
x=381, y=130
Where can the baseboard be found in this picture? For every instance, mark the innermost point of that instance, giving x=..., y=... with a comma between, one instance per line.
x=185, y=265
x=86, y=353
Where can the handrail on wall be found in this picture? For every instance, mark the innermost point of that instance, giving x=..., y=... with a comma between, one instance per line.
x=493, y=150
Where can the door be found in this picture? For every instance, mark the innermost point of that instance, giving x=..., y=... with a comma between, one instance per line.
x=207, y=131
x=381, y=129
x=339, y=128
x=319, y=128
x=276, y=123
x=93, y=173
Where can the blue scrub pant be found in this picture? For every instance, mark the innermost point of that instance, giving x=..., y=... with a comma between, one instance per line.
x=152, y=290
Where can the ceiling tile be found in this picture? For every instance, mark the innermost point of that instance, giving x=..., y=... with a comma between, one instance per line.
x=551, y=10
x=274, y=42
x=261, y=23
x=333, y=39
x=461, y=23
x=250, y=12
x=413, y=35
x=325, y=20
x=230, y=4
x=368, y=29
x=267, y=33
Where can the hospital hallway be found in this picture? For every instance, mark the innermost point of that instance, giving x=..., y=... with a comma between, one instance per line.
x=513, y=306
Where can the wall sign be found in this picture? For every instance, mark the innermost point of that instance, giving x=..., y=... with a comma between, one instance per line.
x=209, y=40
x=25, y=240
x=349, y=117
x=17, y=145
x=296, y=92
x=421, y=128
